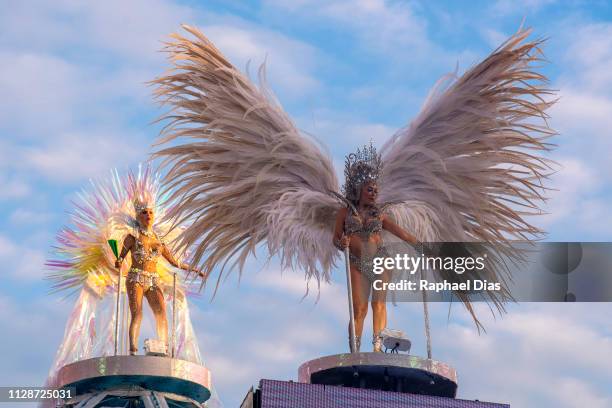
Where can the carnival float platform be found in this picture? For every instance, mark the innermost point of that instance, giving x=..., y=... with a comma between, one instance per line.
x=156, y=381
x=382, y=371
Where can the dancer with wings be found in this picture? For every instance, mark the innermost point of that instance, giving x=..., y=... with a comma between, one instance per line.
x=469, y=167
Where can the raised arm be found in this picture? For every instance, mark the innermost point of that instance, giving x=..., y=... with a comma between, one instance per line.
x=398, y=231
x=128, y=244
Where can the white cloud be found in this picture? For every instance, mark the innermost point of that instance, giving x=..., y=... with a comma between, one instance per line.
x=589, y=58
x=231, y=371
x=39, y=92
x=127, y=37
x=22, y=261
x=494, y=38
x=572, y=183
x=382, y=26
x=22, y=216
x=548, y=336
x=582, y=117
x=534, y=344
x=34, y=335
x=337, y=130
x=130, y=30
x=289, y=63
x=13, y=187
x=572, y=392
x=509, y=7
x=7, y=247
x=71, y=156
x=292, y=285
x=70, y=99
x=29, y=265
x=78, y=156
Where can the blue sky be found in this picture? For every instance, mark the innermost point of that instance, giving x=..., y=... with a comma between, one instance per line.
x=74, y=104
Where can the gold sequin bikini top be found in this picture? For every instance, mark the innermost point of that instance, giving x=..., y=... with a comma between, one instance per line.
x=142, y=255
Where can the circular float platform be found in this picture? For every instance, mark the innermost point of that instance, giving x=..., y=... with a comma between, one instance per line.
x=132, y=376
x=382, y=371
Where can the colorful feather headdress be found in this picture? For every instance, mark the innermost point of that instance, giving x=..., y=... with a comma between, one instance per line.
x=106, y=211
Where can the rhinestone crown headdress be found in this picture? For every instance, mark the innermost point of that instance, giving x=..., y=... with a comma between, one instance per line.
x=360, y=167
x=141, y=205
x=143, y=188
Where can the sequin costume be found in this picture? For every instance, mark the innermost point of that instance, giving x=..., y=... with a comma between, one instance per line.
x=148, y=280
x=353, y=225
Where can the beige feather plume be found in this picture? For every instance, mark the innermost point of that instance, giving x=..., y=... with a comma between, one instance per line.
x=470, y=167
x=242, y=172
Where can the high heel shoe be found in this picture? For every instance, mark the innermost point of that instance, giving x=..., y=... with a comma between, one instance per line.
x=357, y=344
x=377, y=343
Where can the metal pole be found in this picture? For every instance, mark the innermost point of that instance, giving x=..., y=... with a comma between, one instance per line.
x=121, y=347
x=126, y=324
x=117, y=311
x=349, y=286
x=427, y=333
x=425, y=311
x=173, y=311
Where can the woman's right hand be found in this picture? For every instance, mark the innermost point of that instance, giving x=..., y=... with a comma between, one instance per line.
x=118, y=263
x=344, y=242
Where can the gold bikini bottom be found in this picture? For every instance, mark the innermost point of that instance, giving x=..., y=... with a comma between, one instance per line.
x=148, y=280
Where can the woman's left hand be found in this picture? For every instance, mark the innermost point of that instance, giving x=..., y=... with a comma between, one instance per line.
x=196, y=270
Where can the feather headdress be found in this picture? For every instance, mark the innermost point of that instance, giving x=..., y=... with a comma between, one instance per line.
x=107, y=210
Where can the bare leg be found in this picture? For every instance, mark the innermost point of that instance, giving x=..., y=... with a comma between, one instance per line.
x=134, y=291
x=379, y=306
x=379, y=312
x=156, y=300
x=360, y=286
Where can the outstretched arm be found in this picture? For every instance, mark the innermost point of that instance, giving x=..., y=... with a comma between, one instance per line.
x=398, y=231
x=128, y=243
x=172, y=260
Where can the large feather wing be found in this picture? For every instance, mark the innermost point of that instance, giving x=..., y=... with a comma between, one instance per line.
x=239, y=169
x=470, y=166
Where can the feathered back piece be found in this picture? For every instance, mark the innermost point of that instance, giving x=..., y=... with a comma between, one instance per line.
x=359, y=168
x=470, y=166
x=82, y=254
x=239, y=168
x=107, y=210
